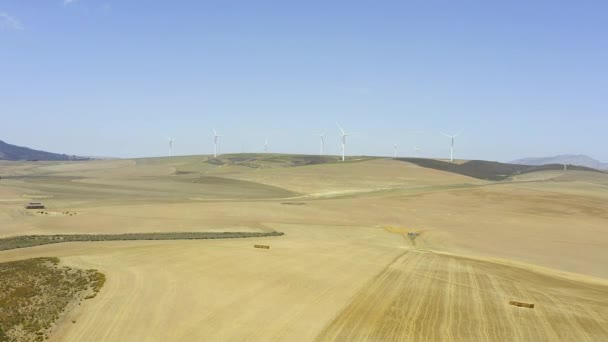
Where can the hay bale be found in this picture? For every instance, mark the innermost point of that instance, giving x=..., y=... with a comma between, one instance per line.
x=261, y=246
x=522, y=304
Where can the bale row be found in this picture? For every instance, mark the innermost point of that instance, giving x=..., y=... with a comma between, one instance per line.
x=521, y=304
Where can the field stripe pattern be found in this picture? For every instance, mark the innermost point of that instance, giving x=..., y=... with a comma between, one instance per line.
x=427, y=296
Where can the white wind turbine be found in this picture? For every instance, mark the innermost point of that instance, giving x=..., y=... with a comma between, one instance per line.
x=266, y=145
x=395, y=151
x=344, y=135
x=171, y=141
x=322, y=136
x=416, y=151
x=215, y=141
x=452, y=144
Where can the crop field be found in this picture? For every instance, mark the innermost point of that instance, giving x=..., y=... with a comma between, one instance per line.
x=424, y=296
x=373, y=249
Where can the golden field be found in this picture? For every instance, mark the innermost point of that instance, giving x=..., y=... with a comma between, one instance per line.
x=345, y=268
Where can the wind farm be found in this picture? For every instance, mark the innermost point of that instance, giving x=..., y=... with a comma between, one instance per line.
x=413, y=220
x=452, y=137
x=343, y=136
x=411, y=224
x=322, y=137
x=216, y=138
x=328, y=171
x=171, y=141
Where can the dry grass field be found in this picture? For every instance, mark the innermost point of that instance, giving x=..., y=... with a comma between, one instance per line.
x=424, y=296
x=345, y=268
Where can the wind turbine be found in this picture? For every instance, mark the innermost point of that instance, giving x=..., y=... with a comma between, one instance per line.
x=215, y=141
x=266, y=145
x=344, y=135
x=452, y=144
x=171, y=140
x=322, y=136
x=395, y=151
x=416, y=150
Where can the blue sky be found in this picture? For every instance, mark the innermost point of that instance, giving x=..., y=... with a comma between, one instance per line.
x=115, y=78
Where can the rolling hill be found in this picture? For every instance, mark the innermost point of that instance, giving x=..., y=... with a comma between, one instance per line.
x=13, y=152
x=488, y=170
x=570, y=159
x=346, y=267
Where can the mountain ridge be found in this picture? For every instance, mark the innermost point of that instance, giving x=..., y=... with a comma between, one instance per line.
x=14, y=153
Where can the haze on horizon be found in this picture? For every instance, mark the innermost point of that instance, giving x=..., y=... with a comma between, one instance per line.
x=109, y=78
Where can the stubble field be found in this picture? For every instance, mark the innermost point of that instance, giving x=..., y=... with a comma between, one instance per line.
x=345, y=268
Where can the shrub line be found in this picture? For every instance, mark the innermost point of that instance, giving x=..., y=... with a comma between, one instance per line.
x=26, y=241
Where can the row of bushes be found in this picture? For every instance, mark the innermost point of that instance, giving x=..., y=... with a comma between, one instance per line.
x=38, y=240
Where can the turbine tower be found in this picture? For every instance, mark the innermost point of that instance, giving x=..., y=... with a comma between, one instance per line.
x=344, y=135
x=266, y=145
x=171, y=140
x=416, y=150
x=322, y=136
x=395, y=151
x=452, y=144
x=215, y=141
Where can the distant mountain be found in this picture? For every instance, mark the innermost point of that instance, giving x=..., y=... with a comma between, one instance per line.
x=570, y=159
x=13, y=152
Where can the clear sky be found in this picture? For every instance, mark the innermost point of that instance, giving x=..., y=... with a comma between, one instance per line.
x=115, y=78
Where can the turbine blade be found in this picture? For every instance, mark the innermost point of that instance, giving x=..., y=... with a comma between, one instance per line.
x=340, y=128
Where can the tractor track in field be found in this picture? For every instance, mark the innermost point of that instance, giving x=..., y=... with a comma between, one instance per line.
x=438, y=297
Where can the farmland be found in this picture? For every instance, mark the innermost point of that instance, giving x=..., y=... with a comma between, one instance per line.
x=345, y=268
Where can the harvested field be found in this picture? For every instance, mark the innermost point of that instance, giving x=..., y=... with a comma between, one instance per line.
x=330, y=180
x=34, y=294
x=432, y=297
x=187, y=290
x=538, y=238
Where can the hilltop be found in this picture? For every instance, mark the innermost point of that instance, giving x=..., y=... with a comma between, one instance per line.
x=14, y=152
x=570, y=159
x=489, y=170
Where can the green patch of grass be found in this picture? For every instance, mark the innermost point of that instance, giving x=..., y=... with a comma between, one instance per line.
x=38, y=240
x=34, y=293
x=234, y=188
x=274, y=160
x=3, y=336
